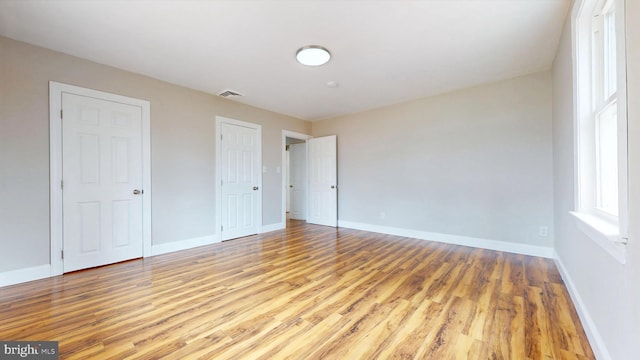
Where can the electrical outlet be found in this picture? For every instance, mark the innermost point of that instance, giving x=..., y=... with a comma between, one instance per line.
x=543, y=231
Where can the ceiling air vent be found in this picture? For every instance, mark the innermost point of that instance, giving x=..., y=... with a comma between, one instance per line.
x=229, y=93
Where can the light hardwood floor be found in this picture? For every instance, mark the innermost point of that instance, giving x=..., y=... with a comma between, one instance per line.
x=309, y=292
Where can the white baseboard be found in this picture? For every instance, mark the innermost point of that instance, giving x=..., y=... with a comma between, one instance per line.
x=23, y=275
x=201, y=241
x=595, y=339
x=524, y=249
x=272, y=227
x=173, y=246
x=44, y=271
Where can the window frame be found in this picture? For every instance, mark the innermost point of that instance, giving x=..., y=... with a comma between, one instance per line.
x=608, y=230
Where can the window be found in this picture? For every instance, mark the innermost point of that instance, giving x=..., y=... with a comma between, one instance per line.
x=600, y=127
x=604, y=86
x=607, y=160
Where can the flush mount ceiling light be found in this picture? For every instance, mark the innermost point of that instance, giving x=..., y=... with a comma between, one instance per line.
x=313, y=55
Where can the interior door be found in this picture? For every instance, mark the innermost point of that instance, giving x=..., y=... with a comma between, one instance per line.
x=239, y=185
x=288, y=180
x=323, y=189
x=298, y=181
x=102, y=181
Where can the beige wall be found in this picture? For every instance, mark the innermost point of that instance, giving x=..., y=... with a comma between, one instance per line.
x=607, y=292
x=474, y=163
x=182, y=149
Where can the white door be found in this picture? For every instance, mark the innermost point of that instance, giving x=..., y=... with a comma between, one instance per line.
x=323, y=190
x=288, y=180
x=239, y=171
x=102, y=181
x=298, y=181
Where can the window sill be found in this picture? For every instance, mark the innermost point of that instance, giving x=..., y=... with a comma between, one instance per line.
x=604, y=233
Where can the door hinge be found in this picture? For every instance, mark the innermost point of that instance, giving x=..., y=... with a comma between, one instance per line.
x=221, y=228
x=60, y=114
x=221, y=182
x=61, y=185
x=221, y=136
x=62, y=254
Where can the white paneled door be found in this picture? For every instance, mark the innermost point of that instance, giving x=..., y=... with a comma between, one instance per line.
x=323, y=189
x=102, y=181
x=240, y=188
x=298, y=181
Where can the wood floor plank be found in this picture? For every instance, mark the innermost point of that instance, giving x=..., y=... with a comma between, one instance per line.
x=409, y=342
x=306, y=292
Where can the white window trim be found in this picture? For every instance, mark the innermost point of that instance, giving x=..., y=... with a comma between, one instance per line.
x=609, y=235
x=603, y=233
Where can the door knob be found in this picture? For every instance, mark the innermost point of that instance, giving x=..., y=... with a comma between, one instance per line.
x=255, y=188
x=291, y=186
x=137, y=192
x=333, y=186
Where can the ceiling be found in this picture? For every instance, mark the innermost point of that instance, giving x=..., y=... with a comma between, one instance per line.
x=383, y=52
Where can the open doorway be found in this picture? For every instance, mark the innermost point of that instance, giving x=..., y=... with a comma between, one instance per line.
x=294, y=176
x=297, y=174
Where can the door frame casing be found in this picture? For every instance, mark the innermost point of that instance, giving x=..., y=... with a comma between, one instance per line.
x=285, y=135
x=224, y=120
x=56, y=240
